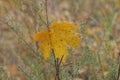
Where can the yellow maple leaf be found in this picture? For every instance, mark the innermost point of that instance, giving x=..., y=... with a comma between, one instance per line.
x=57, y=38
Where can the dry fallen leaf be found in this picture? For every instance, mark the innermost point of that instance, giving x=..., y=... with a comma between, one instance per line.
x=92, y=33
x=13, y=70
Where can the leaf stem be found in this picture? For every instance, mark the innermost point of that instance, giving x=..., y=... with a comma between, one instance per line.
x=57, y=66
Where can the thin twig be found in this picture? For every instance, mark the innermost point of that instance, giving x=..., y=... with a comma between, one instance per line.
x=46, y=9
x=41, y=19
x=56, y=60
x=54, y=63
x=57, y=66
x=57, y=69
x=61, y=60
x=99, y=59
x=22, y=39
x=95, y=76
x=118, y=67
x=25, y=73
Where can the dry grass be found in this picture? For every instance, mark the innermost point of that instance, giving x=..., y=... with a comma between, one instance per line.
x=95, y=59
